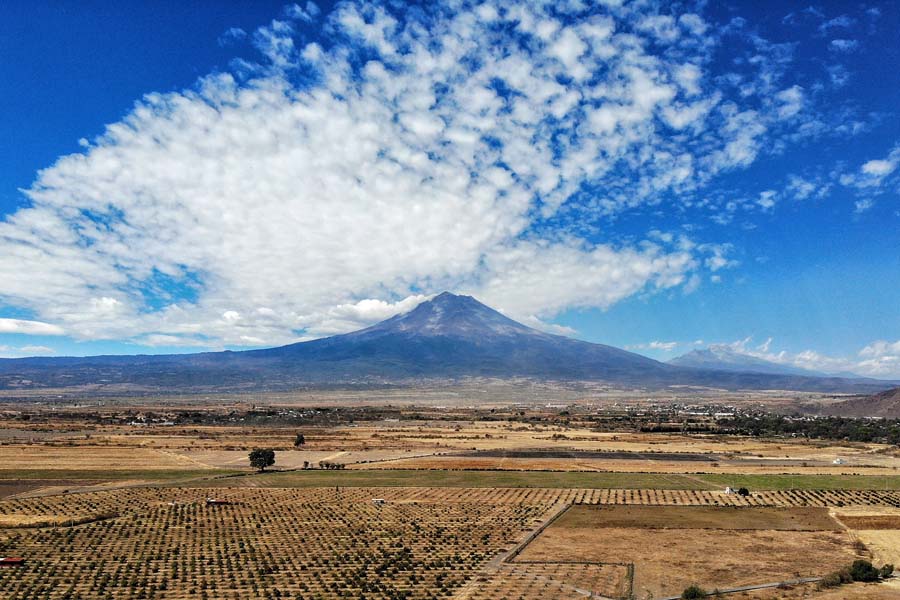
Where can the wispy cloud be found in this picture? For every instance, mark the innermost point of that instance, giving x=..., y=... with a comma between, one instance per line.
x=29, y=327
x=874, y=177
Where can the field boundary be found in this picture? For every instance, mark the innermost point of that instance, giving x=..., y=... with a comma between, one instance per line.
x=758, y=586
x=531, y=536
x=520, y=547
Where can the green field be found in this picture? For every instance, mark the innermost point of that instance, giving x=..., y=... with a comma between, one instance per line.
x=805, y=482
x=536, y=479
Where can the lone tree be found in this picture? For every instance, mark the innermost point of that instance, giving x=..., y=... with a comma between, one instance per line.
x=260, y=458
x=299, y=440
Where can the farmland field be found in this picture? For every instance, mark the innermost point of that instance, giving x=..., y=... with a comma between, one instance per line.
x=101, y=508
x=672, y=547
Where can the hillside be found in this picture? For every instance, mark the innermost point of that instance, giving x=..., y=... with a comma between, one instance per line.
x=884, y=404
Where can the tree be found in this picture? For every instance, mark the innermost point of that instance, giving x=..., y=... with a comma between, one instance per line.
x=299, y=440
x=743, y=492
x=887, y=570
x=694, y=592
x=260, y=458
x=862, y=570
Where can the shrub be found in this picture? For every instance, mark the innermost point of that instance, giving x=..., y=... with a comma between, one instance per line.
x=887, y=570
x=832, y=580
x=862, y=570
x=844, y=574
x=743, y=491
x=693, y=592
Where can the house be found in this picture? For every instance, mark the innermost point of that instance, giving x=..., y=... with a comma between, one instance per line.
x=12, y=561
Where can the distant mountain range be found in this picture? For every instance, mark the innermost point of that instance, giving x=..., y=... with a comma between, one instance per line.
x=723, y=358
x=447, y=337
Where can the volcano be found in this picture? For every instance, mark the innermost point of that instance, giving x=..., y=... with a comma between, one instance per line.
x=448, y=337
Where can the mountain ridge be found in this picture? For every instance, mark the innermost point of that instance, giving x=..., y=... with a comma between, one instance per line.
x=722, y=358
x=446, y=337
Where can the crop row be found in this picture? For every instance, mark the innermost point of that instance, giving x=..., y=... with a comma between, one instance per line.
x=295, y=544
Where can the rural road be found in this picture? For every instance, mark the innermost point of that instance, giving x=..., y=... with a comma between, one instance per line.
x=759, y=586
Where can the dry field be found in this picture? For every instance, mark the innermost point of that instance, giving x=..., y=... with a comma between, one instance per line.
x=111, y=511
x=417, y=444
x=674, y=547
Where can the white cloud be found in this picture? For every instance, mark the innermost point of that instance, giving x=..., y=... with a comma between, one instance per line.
x=767, y=199
x=663, y=27
x=791, y=101
x=839, y=22
x=25, y=351
x=881, y=348
x=664, y=346
x=29, y=327
x=879, y=168
x=231, y=36
x=879, y=359
x=307, y=13
x=35, y=350
x=841, y=45
x=873, y=178
x=657, y=345
x=802, y=189
x=427, y=154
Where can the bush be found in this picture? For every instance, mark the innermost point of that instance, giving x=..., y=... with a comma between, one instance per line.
x=887, y=570
x=743, y=492
x=844, y=574
x=693, y=592
x=862, y=570
x=832, y=580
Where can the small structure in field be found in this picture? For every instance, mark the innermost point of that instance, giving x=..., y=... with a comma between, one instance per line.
x=12, y=561
x=217, y=502
x=378, y=501
x=729, y=490
x=838, y=461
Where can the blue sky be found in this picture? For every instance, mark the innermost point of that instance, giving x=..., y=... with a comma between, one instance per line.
x=651, y=175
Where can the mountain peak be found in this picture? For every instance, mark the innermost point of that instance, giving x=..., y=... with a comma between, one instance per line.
x=453, y=315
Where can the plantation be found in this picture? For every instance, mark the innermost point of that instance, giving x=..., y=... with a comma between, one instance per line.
x=266, y=544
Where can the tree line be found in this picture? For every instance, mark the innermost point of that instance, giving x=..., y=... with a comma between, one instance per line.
x=828, y=428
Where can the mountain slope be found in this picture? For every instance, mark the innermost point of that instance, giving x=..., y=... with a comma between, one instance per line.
x=447, y=337
x=452, y=336
x=723, y=358
x=885, y=404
